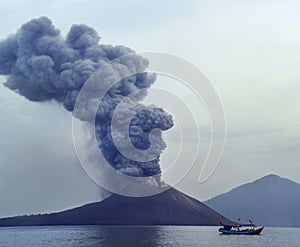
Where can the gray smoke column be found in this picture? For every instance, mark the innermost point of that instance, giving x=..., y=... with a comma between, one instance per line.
x=41, y=65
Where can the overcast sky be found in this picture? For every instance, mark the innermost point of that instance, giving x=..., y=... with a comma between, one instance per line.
x=250, y=51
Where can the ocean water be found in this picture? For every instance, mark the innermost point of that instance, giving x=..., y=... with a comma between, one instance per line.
x=134, y=236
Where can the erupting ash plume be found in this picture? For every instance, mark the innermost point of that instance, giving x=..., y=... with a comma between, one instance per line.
x=41, y=65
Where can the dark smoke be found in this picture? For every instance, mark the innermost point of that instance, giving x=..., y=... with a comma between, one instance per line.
x=41, y=65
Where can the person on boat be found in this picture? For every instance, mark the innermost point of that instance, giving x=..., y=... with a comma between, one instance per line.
x=251, y=222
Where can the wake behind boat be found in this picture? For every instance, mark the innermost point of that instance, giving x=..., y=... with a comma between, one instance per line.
x=241, y=229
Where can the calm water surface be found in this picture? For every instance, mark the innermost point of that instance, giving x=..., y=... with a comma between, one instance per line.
x=132, y=236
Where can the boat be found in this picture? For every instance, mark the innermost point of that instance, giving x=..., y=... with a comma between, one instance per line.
x=241, y=229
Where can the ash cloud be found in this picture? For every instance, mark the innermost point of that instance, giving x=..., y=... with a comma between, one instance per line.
x=42, y=65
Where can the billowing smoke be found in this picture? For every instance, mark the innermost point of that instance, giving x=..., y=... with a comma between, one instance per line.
x=41, y=65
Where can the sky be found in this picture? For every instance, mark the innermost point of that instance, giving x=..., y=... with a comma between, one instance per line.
x=250, y=51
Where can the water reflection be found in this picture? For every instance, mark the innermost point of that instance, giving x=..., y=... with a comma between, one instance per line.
x=112, y=236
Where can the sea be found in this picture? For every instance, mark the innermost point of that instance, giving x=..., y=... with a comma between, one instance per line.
x=134, y=236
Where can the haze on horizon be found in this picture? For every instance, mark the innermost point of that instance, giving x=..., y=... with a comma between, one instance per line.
x=249, y=51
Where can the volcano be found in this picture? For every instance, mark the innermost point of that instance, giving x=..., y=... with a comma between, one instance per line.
x=171, y=207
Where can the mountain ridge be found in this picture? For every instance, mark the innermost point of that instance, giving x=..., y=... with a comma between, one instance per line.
x=270, y=200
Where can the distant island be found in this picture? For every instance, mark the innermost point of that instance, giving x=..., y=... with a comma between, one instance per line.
x=269, y=201
x=171, y=207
